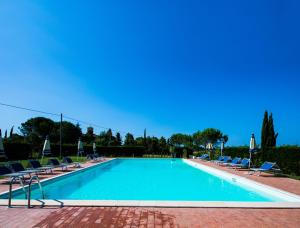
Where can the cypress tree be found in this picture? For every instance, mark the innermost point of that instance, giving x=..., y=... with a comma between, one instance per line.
x=109, y=136
x=118, y=139
x=145, y=136
x=265, y=131
x=11, y=132
x=271, y=142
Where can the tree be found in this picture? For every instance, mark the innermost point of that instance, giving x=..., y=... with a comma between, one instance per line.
x=11, y=132
x=70, y=132
x=225, y=138
x=89, y=137
x=5, y=134
x=101, y=139
x=118, y=139
x=109, y=136
x=198, y=139
x=163, y=146
x=153, y=145
x=181, y=140
x=272, y=137
x=38, y=127
x=129, y=140
x=265, y=131
x=211, y=135
x=140, y=141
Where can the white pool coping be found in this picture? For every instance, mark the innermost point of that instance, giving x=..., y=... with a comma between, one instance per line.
x=245, y=182
x=295, y=204
x=150, y=203
x=61, y=175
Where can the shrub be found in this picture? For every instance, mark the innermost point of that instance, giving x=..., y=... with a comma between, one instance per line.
x=17, y=151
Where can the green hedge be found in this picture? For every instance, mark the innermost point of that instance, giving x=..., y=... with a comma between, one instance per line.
x=17, y=151
x=287, y=157
x=21, y=151
x=112, y=151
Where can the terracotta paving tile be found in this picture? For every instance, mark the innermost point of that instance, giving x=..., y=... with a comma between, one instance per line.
x=164, y=217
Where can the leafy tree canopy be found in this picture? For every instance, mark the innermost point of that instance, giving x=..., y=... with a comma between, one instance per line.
x=129, y=140
x=181, y=140
x=212, y=135
x=38, y=127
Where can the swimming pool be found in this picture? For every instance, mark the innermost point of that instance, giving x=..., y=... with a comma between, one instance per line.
x=147, y=179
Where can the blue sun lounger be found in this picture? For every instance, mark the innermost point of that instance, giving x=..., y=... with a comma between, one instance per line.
x=266, y=167
x=226, y=159
x=243, y=165
x=204, y=157
x=234, y=161
x=220, y=158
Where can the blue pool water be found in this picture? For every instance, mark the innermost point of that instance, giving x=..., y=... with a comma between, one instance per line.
x=145, y=179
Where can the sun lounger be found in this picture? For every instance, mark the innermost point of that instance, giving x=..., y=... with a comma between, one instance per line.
x=100, y=157
x=7, y=172
x=91, y=157
x=69, y=161
x=234, y=161
x=204, y=157
x=220, y=158
x=35, y=164
x=17, y=167
x=226, y=159
x=56, y=164
x=243, y=165
x=266, y=167
x=94, y=157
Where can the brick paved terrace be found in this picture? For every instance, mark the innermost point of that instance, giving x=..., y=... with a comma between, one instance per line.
x=148, y=217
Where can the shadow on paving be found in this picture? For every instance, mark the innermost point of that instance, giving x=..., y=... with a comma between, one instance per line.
x=107, y=217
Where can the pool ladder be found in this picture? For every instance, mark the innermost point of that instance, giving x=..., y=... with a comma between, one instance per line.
x=28, y=193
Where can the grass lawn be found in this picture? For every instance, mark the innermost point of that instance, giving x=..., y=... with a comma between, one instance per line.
x=45, y=160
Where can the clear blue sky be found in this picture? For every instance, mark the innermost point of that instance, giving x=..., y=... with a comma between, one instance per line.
x=168, y=66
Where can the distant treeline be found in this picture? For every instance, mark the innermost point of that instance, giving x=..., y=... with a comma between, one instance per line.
x=35, y=130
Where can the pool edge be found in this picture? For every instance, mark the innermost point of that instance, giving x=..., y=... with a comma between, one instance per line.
x=141, y=203
x=61, y=175
x=246, y=182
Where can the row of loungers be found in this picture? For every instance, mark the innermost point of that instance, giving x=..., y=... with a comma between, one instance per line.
x=16, y=169
x=239, y=163
x=95, y=157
